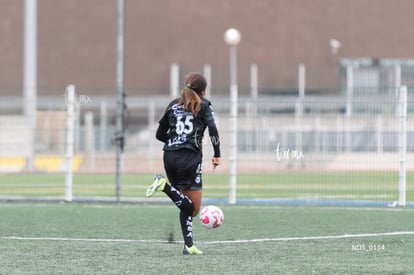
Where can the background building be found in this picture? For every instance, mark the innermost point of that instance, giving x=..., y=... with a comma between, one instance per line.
x=76, y=42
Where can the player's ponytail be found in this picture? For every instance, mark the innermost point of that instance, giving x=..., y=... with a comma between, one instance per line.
x=195, y=85
x=191, y=101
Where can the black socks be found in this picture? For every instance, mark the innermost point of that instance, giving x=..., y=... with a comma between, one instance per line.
x=187, y=228
x=187, y=207
x=181, y=201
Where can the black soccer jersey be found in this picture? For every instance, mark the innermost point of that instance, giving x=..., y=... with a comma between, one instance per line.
x=179, y=129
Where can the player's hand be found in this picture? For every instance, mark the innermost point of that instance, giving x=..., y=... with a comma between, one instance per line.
x=216, y=162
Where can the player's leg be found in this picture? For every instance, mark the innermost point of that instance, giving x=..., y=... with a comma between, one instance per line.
x=177, y=197
x=187, y=210
x=193, y=192
x=186, y=219
x=180, y=200
x=195, y=197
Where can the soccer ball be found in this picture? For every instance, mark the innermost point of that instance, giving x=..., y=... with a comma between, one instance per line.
x=211, y=216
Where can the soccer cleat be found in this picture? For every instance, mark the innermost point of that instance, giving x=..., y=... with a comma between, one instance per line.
x=192, y=250
x=158, y=185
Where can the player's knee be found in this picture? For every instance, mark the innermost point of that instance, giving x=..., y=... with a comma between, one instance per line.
x=196, y=210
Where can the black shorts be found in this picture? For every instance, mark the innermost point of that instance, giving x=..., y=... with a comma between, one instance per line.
x=183, y=168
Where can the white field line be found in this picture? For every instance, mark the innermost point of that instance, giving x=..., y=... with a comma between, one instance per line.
x=346, y=236
x=283, y=239
x=157, y=206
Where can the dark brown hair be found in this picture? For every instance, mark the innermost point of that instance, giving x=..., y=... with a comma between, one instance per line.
x=195, y=85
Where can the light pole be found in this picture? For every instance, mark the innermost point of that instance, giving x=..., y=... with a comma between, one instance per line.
x=232, y=38
x=30, y=76
x=120, y=98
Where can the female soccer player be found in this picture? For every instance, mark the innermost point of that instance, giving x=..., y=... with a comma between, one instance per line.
x=182, y=129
